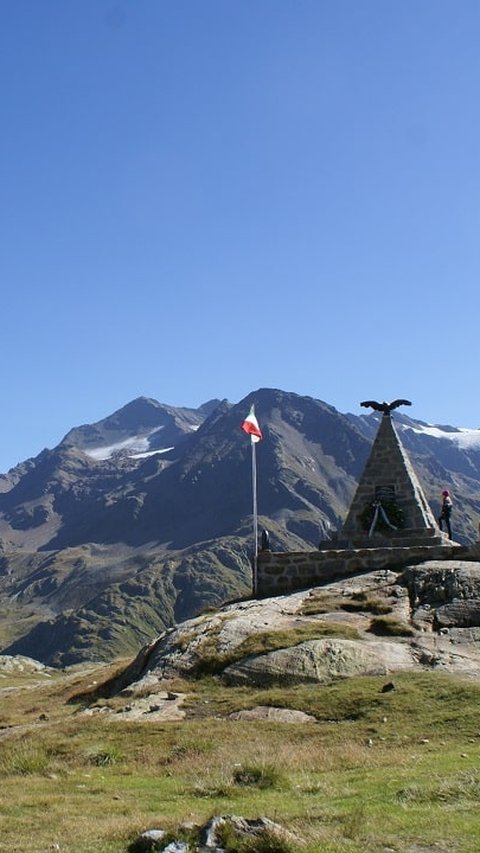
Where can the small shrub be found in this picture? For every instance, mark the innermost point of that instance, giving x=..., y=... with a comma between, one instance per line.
x=411, y=794
x=465, y=786
x=106, y=756
x=264, y=841
x=190, y=749
x=257, y=776
x=211, y=664
x=358, y=602
x=184, y=640
x=270, y=641
x=354, y=822
x=268, y=842
x=25, y=761
x=320, y=603
x=212, y=791
x=361, y=601
x=384, y=627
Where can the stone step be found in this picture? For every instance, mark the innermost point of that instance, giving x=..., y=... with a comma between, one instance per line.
x=413, y=542
x=400, y=539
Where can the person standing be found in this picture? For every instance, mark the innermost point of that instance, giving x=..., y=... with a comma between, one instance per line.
x=446, y=513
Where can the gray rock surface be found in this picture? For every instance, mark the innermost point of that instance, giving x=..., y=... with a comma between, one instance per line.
x=438, y=602
x=209, y=840
x=21, y=663
x=275, y=715
x=161, y=706
x=321, y=661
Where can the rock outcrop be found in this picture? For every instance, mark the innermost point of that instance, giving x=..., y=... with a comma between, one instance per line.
x=425, y=617
x=209, y=837
x=320, y=661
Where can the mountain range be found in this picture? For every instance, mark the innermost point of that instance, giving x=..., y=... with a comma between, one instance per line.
x=142, y=519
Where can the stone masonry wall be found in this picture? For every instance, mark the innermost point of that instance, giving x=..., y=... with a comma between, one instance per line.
x=285, y=572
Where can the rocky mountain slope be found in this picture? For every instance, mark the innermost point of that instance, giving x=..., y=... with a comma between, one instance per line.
x=144, y=518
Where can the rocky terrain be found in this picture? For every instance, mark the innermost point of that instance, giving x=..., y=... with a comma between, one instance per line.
x=425, y=618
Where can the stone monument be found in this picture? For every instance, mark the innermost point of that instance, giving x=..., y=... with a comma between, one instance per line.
x=389, y=506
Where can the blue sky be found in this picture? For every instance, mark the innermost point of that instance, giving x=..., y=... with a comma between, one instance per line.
x=205, y=197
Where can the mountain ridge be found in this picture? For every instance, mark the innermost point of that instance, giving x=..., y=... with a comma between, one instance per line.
x=175, y=518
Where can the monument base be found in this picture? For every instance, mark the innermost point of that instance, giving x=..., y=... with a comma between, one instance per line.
x=405, y=538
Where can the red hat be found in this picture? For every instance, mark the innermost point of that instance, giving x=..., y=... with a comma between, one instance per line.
x=445, y=494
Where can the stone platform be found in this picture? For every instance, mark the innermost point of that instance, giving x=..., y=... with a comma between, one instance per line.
x=284, y=572
x=391, y=538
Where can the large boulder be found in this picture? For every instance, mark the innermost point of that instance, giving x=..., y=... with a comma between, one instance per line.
x=320, y=661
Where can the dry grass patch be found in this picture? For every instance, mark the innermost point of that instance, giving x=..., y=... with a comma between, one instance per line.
x=385, y=627
x=356, y=602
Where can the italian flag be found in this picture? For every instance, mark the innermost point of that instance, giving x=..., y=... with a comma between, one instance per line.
x=250, y=426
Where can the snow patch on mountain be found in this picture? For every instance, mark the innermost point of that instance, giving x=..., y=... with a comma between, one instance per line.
x=135, y=447
x=150, y=453
x=135, y=444
x=467, y=439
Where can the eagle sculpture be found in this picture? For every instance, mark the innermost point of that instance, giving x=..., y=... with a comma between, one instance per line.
x=386, y=408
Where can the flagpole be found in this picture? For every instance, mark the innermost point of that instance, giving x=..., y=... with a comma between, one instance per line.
x=255, y=517
x=251, y=427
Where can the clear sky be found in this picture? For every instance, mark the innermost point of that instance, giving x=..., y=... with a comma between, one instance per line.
x=200, y=198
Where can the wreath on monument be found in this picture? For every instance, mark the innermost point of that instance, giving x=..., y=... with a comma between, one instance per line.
x=381, y=516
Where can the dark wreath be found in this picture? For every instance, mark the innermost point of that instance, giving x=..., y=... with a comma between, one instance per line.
x=392, y=511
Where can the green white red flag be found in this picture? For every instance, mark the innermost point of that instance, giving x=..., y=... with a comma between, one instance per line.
x=250, y=426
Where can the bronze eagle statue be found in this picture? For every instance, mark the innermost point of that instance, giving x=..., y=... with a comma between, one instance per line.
x=386, y=408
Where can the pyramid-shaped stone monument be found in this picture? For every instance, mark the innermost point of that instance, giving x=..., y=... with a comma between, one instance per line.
x=389, y=506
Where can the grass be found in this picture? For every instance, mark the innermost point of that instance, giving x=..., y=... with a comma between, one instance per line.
x=383, y=626
x=105, y=756
x=24, y=760
x=265, y=841
x=258, y=776
x=378, y=770
x=463, y=786
x=364, y=601
x=356, y=602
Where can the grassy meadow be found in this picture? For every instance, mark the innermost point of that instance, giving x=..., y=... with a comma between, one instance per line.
x=378, y=771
